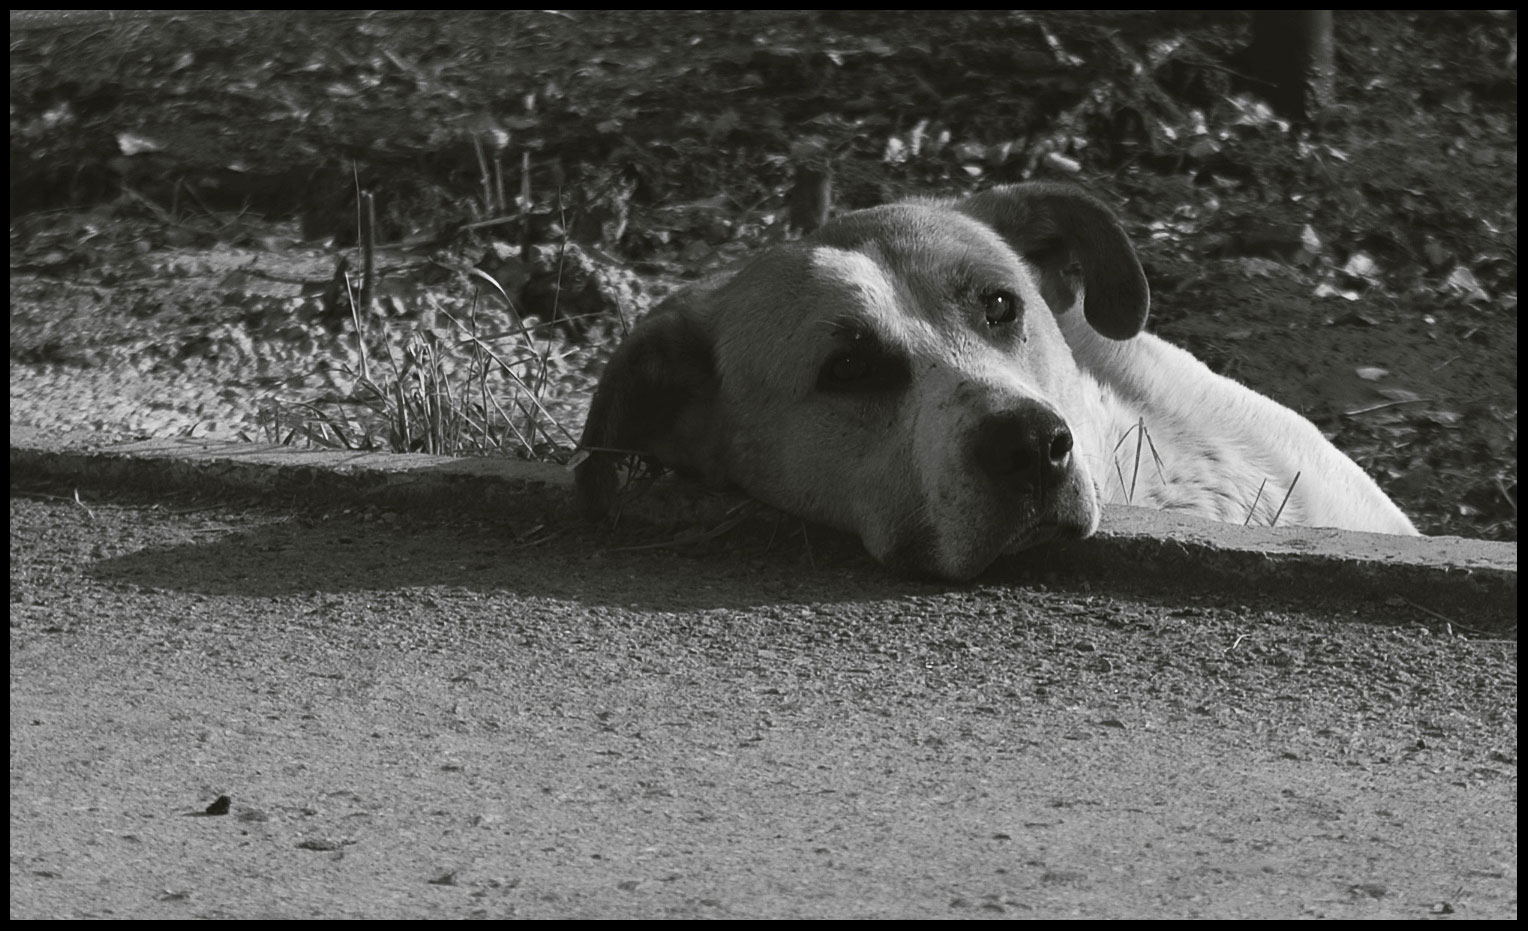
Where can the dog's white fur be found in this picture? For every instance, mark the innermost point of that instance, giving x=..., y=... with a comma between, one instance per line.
x=952, y=380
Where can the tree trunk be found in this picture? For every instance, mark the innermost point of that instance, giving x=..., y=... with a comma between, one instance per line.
x=1293, y=59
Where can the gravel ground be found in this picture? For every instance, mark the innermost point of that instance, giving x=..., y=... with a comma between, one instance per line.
x=429, y=719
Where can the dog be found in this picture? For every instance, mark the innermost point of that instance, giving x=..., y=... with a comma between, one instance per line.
x=955, y=379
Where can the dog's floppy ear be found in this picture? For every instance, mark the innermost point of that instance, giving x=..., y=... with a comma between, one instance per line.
x=1057, y=227
x=655, y=399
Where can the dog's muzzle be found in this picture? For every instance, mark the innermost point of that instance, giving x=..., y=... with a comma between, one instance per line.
x=1027, y=450
x=1025, y=454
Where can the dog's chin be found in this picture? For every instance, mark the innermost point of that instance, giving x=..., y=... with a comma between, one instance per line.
x=1044, y=532
x=972, y=562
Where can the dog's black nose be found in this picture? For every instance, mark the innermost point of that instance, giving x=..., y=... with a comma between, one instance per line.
x=1028, y=448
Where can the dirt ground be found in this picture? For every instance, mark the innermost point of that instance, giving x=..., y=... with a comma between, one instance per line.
x=417, y=719
x=184, y=203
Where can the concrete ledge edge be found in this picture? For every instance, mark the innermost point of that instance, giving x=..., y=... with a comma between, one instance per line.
x=1473, y=581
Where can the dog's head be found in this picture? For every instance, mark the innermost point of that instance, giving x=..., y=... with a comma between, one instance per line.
x=898, y=375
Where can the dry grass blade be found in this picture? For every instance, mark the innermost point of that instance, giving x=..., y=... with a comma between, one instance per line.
x=437, y=394
x=315, y=425
x=1142, y=441
x=360, y=331
x=527, y=392
x=1275, y=521
x=1255, y=499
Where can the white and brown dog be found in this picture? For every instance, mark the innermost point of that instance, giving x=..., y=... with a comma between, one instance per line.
x=955, y=380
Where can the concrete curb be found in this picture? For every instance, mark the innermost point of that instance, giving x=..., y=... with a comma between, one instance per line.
x=1470, y=582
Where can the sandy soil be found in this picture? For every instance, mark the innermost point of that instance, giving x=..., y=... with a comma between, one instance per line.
x=430, y=719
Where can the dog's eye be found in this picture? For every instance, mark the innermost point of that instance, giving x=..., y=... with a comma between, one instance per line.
x=847, y=367
x=1000, y=307
x=863, y=370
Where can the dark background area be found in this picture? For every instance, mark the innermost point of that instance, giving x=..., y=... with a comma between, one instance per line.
x=1359, y=266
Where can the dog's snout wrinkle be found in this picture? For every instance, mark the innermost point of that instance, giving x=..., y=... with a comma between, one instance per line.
x=1029, y=448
